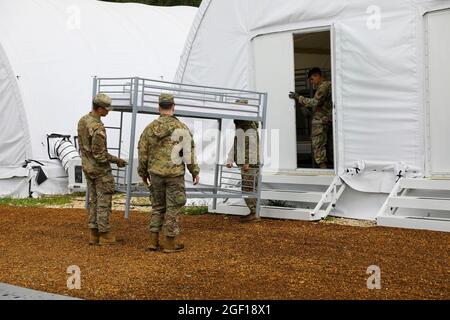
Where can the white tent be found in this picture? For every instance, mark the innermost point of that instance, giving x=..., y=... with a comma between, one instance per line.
x=49, y=52
x=390, y=66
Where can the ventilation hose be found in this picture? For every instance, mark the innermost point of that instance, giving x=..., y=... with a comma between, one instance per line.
x=65, y=151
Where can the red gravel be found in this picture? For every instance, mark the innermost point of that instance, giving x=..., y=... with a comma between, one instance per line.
x=224, y=259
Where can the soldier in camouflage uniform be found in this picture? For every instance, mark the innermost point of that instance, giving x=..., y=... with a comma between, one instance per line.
x=245, y=153
x=165, y=146
x=97, y=169
x=322, y=108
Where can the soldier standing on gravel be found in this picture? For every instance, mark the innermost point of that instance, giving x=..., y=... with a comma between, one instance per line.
x=245, y=153
x=97, y=169
x=162, y=159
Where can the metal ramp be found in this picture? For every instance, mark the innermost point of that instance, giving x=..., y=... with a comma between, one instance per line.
x=417, y=204
x=315, y=196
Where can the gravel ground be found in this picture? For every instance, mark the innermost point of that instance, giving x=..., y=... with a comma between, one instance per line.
x=273, y=259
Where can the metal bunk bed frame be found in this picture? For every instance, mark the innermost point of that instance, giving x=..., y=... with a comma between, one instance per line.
x=137, y=95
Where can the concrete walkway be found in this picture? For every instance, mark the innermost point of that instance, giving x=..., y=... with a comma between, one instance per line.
x=9, y=292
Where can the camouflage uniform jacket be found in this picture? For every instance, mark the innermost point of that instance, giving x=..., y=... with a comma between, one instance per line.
x=321, y=105
x=161, y=149
x=251, y=152
x=94, y=154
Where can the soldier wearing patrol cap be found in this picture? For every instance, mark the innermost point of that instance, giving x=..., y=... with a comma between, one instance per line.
x=245, y=153
x=321, y=106
x=97, y=169
x=165, y=147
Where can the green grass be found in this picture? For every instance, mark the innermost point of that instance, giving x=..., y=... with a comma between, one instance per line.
x=39, y=202
x=194, y=210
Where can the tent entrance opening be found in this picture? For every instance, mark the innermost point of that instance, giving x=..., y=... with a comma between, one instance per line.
x=311, y=50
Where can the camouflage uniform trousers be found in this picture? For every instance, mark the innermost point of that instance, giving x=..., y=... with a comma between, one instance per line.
x=322, y=140
x=100, y=191
x=168, y=196
x=250, y=180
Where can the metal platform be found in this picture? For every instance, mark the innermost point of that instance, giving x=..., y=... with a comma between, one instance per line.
x=136, y=96
x=318, y=193
x=417, y=204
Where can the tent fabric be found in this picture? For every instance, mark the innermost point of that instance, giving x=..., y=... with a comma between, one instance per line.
x=15, y=143
x=379, y=80
x=379, y=72
x=52, y=49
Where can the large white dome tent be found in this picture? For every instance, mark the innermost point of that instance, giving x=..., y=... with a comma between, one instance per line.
x=50, y=50
x=388, y=62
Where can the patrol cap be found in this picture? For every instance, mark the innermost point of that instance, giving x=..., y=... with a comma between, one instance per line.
x=166, y=100
x=102, y=100
x=242, y=101
x=314, y=71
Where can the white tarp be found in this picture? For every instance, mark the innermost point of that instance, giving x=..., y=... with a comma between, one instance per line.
x=378, y=66
x=54, y=48
x=378, y=86
x=15, y=140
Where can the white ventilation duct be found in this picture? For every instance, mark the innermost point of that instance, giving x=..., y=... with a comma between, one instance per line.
x=65, y=151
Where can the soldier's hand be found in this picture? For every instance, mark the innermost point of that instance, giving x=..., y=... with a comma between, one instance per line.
x=229, y=165
x=196, y=180
x=294, y=95
x=146, y=180
x=121, y=163
x=246, y=167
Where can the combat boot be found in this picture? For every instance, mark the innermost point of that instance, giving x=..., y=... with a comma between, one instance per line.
x=107, y=238
x=154, y=241
x=94, y=237
x=170, y=245
x=250, y=218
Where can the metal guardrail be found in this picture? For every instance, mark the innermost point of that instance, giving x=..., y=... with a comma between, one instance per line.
x=191, y=100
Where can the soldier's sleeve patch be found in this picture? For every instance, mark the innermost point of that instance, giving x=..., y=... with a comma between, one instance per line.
x=101, y=133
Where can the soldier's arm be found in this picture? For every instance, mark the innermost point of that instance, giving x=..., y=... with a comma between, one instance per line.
x=251, y=146
x=99, y=151
x=230, y=156
x=143, y=155
x=319, y=98
x=193, y=167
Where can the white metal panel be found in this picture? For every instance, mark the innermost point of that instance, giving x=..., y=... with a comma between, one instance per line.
x=425, y=184
x=273, y=57
x=438, y=50
x=420, y=203
x=292, y=196
x=414, y=223
x=270, y=212
x=298, y=179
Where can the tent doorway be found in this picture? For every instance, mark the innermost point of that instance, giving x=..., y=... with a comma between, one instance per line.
x=310, y=50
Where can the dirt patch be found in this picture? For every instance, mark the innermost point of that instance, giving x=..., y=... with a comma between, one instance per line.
x=273, y=259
